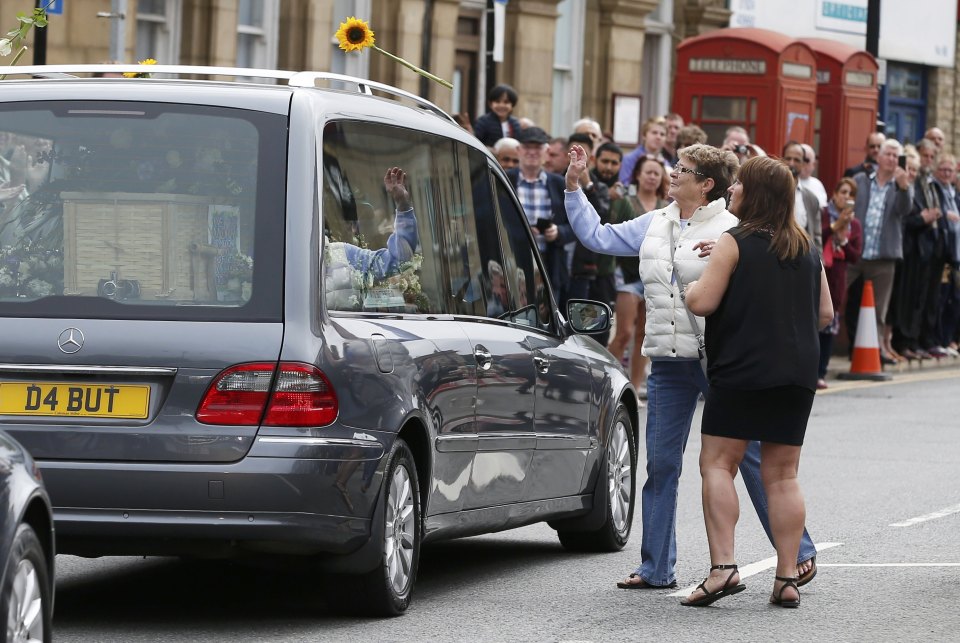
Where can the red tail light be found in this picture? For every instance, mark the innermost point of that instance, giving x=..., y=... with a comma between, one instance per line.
x=242, y=395
x=302, y=396
x=238, y=395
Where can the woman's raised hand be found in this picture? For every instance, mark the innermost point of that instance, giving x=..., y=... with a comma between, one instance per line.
x=394, y=182
x=578, y=164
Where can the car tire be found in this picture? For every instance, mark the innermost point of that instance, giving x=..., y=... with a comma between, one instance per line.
x=387, y=588
x=617, y=476
x=27, y=581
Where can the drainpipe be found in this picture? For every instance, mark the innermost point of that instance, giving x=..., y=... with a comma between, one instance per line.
x=426, y=46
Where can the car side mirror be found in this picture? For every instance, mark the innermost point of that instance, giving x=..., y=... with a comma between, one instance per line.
x=588, y=317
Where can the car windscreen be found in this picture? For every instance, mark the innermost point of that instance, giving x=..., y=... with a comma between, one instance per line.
x=135, y=210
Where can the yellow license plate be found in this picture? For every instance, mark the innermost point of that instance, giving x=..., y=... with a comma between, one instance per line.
x=61, y=399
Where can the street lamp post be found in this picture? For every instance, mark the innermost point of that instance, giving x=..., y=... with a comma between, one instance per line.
x=118, y=28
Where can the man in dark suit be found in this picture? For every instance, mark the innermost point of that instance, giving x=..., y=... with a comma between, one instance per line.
x=541, y=195
x=925, y=237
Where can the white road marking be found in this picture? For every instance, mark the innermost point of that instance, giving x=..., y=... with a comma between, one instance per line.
x=933, y=516
x=888, y=564
x=756, y=568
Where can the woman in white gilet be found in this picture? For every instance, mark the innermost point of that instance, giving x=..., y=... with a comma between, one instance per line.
x=673, y=244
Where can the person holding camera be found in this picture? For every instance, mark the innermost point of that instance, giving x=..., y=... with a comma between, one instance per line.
x=737, y=141
x=541, y=195
x=842, y=245
x=882, y=203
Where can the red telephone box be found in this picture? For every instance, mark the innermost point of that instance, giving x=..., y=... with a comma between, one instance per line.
x=846, y=106
x=761, y=80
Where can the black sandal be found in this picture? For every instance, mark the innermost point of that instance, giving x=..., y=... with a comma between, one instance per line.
x=776, y=598
x=712, y=597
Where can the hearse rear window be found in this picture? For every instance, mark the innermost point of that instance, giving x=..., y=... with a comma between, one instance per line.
x=141, y=210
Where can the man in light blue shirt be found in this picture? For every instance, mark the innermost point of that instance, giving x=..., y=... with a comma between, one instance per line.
x=883, y=200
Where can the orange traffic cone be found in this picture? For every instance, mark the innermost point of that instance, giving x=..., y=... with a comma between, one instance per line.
x=865, y=361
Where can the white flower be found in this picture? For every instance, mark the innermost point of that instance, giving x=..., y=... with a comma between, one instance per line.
x=6, y=46
x=39, y=288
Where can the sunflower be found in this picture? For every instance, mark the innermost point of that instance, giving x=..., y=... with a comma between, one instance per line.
x=136, y=74
x=354, y=35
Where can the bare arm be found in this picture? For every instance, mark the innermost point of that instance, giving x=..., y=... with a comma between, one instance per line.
x=703, y=296
x=826, y=304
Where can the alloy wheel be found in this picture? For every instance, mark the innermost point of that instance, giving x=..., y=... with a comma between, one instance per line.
x=619, y=476
x=399, y=531
x=25, y=614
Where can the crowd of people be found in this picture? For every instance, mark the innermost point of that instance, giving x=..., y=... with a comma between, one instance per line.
x=905, y=240
x=660, y=231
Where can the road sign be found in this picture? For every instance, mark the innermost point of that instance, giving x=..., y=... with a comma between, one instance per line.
x=55, y=8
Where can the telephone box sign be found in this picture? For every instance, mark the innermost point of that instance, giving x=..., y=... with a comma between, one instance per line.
x=728, y=66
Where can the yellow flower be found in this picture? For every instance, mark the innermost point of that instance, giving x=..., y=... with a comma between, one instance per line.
x=354, y=34
x=135, y=74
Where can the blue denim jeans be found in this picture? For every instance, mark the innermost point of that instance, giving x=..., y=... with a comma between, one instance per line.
x=673, y=389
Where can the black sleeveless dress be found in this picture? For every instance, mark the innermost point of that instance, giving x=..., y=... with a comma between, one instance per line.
x=763, y=346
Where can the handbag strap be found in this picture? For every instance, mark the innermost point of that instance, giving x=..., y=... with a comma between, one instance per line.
x=701, y=345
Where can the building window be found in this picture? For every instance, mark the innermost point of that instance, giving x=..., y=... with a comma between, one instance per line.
x=340, y=61
x=657, y=61
x=257, y=30
x=158, y=31
x=567, y=66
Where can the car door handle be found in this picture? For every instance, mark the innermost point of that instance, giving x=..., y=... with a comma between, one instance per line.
x=542, y=364
x=483, y=356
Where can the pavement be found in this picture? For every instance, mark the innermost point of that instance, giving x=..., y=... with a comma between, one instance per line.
x=840, y=364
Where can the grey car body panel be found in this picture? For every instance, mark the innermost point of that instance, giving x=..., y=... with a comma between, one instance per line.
x=197, y=350
x=487, y=463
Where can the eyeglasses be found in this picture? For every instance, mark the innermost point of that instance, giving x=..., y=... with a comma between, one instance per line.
x=679, y=169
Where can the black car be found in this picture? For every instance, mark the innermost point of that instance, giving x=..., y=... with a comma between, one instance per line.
x=26, y=547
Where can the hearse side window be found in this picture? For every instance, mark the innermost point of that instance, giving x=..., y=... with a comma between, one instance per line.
x=377, y=259
x=525, y=279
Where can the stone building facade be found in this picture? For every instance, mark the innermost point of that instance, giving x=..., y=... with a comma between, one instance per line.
x=566, y=58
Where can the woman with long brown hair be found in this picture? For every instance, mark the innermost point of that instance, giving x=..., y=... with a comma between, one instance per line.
x=765, y=295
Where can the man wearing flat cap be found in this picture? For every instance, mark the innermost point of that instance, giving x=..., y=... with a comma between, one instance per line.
x=541, y=195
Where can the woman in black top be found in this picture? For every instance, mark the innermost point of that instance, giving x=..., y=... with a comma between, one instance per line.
x=765, y=296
